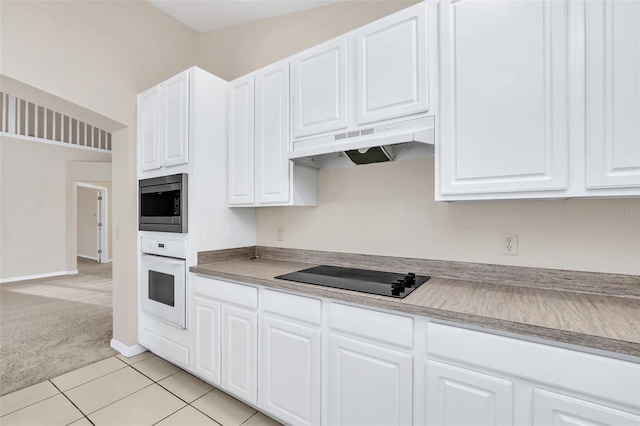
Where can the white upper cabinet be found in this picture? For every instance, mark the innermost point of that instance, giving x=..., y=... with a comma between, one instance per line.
x=163, y=124
x=372, y=84
x=272, y=134
x=391, y=63
x=260, y=173
x=613, y=94
x=241, y=141
x=320, y=102
x=148, y=134
x=503, y=92
x=175, y=119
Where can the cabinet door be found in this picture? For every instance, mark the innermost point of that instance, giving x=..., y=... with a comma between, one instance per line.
x=149, y=138
x=272, y=134
x=560, y=410
x=368, y=384
x=240, y=353
x=457, y=396
x=503, y=95
x=391, y=68
x=320, y=89
x=613, y=93
x=207, y=324
x=290, y=371
x=241, y=141
x=175, y=122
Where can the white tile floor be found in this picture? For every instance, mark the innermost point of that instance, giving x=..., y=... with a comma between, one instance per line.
x=143, y=390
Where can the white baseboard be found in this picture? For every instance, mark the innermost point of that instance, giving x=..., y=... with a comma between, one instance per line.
x=36, y=276
x=125, y=350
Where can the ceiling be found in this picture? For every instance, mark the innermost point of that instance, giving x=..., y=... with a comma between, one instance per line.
x=210, y=15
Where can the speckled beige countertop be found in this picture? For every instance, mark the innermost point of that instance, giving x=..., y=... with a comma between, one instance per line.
x=605, y=322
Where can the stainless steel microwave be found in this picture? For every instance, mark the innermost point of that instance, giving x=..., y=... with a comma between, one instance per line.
x=163, y=204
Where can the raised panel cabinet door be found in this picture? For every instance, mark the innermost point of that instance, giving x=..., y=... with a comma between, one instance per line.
x=320, y=89
x=550, y=408
x=208, y=330
x=148, y=123
x=503, y=92
x=240, y=353
x=391, y=67
x=613, y=93
x=241, y=141
x=368, y=384
x=290, y=371
x=457, y=396
x=272, y=134
x=175, y=122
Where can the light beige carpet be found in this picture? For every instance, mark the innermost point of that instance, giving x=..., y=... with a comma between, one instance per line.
x=51, y=326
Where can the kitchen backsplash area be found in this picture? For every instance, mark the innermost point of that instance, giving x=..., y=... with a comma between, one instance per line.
x=389, y=209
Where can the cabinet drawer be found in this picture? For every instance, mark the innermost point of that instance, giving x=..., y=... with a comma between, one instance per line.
x=164, y=247
x=595, y=375
x=291, y=306
x=237, y=294
x=387, y=328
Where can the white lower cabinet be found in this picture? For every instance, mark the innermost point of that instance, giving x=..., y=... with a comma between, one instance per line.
x=458, y=396
x=240, y=352
x=368, y=384
x=307, y=361
x=207, y=323
x=550, y=408
x=290, y=364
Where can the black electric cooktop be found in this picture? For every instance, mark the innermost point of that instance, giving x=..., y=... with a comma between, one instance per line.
x=374, y=282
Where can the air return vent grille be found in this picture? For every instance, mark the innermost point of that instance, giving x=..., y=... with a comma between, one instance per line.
x=27, y=120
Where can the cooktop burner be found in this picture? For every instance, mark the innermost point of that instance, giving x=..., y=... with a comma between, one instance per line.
x=374, y=282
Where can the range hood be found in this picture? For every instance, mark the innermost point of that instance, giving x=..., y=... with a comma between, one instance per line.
x=388, y=142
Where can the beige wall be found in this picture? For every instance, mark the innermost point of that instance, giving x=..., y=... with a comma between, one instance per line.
x=35, y=207
x=99, y=55
x=232, y=52
x=389, y=209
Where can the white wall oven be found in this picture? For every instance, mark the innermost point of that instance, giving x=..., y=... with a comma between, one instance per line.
x=163, y=289
x=163, y=203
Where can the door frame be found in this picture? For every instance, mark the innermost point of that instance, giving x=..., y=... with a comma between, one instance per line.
x=102, y=249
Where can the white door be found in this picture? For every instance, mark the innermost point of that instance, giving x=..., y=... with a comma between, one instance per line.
x=241, y=141
x=320, y=89
x=208, y=329
x=272, y=134
x=613, y=93
x=392, y=66
x=240, y=353
x=457, y=396
x=550, y=408
x=503, y=91
x=148, y=124
x=290, y=371
x=368, y=384
x=175, y=112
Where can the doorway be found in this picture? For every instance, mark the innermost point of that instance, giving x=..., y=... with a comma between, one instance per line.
x=93, y=222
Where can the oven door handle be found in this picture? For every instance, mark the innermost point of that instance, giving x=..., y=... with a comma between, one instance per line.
x=167, y=260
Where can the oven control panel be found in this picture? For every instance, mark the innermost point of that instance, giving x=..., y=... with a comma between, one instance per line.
x=164, y=247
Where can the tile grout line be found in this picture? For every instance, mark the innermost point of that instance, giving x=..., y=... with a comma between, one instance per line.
x=29, y=405
x=73, y=403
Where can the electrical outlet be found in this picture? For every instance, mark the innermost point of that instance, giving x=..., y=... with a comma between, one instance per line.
x=509, y=244
x=280, y=234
